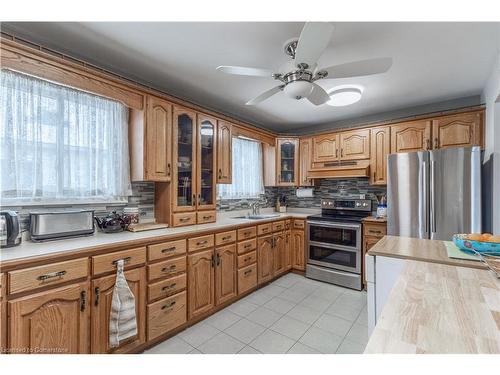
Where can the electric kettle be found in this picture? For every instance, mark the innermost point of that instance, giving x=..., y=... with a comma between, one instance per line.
x=10, y=229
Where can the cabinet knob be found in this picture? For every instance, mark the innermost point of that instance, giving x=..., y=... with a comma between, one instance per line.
x=97, y=292
x=83, y=300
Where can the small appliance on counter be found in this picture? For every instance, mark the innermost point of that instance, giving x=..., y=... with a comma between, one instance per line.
x=61, y=224
x=10, y=229
x=112, y=223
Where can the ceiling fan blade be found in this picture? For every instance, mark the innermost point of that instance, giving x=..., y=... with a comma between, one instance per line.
x=359, y=68
x=318, y=96
x=245, y=71
x=265, y=95
x=313, y=40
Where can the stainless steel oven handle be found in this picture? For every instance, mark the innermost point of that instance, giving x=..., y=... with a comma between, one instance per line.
x=334, y=225
x=331, y=246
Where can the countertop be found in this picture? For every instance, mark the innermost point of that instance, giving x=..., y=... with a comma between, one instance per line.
x=31, y=251
x=432, y=251
x=373, y=219
x=439, y=308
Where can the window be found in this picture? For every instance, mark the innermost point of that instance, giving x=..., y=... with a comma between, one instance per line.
x=59, y=144
x=247, y=171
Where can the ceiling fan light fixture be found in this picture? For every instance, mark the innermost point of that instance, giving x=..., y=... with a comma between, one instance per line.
x=298, y=89
x=344, y=95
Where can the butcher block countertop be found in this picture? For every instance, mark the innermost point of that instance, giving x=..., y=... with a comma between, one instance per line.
x=432, y=251
x=439, y=308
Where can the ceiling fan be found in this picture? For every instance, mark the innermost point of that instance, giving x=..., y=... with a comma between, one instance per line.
x=298, y=77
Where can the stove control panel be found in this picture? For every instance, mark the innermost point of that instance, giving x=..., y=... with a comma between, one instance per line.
x=347, y=204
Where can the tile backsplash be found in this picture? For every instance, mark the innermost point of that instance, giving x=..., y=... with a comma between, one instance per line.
x=142, y=197
x=326, y=188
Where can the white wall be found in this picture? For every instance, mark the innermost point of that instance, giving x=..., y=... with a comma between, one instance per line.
x=491, y=97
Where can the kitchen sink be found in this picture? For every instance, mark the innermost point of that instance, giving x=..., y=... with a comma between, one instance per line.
x=257, y=217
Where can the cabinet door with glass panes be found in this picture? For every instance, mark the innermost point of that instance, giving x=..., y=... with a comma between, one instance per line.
x=287, y=163
x=184, y=160
x=206, y=166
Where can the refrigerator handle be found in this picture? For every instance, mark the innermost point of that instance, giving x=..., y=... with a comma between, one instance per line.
x=425, y=191
x=432, y=196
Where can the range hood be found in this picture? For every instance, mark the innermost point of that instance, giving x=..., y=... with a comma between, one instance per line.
x=345, y=169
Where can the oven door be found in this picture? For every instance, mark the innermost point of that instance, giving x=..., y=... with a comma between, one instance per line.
x=334, y=245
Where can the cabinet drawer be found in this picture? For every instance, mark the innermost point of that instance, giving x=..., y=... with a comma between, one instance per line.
x=246, y=233
x=47, y=275
x=167, y=287
x=247, y=278
x=182, y=219
x=246, y=246
x=199, y=243
x=225, y=237
x=279, y=225
x=166, y=250
x=206, y=217
x=264, y=229
x=375, y=230
x=167, y=268
x=166, y=315
x=107, y=262
x=247, y=259
x=299, y=224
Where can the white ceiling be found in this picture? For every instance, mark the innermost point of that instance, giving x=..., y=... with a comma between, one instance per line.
x=431, y=62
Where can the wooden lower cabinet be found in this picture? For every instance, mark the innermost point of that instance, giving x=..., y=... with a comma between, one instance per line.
x=166, y=315
x=225, y=274
x=265, y=269
x=279, y=254
x=53, y=321
x=200, y=283
x=298, y=245
x=372, y=233
x=3, y=315
x=288, y=250
x=247, y=278
x=102, y=295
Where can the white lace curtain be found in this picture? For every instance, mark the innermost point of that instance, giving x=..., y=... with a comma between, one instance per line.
x=247, y=171
x=60, y=144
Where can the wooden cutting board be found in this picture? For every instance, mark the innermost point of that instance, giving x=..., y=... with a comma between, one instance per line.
x=146, y=226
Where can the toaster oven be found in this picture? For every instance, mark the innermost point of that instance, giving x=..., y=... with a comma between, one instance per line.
x=59, y=224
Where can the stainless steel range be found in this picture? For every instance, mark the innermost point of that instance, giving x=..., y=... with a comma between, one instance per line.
x=333, y=242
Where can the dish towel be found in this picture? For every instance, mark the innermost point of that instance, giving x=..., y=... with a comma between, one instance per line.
x=122, y=320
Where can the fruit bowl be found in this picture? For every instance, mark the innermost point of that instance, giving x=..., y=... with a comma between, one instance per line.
x=472, y=246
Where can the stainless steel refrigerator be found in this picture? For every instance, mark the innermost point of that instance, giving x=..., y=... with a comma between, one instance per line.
x=434, y=194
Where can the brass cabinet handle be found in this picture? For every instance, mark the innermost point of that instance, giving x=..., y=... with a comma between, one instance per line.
x=220, y=173
x=169, y=249
x=125, y=260
x=218, y=260
x=184, y=219
x=83, y=300
x=194, y=200
x=436, y=143
x=168, y=305
x=226, y=238
x=247, y=272
x=207, y=217
x=97, y=292
x=172, y=268
x=51, y=275
x=248, y=245
x=167, y=287
x=199, y=198
x=265, y=229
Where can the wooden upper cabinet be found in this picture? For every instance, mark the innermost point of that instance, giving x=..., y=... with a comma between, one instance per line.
x=411, y=136
x=459, y=130
x=325, y=148
x=184, y=160
x=287, y=161
x=265, y=259
x=102, y=295
x=206, y=162
x=379, y=149
x=305, y=162
x=200, y=283
x=225, y=273
x=54, y=321
x=355, y=145
x=159, y=139
x=224, y=152
x=269, y=161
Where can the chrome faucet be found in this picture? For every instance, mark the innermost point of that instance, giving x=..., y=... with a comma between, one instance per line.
x=255, y=206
